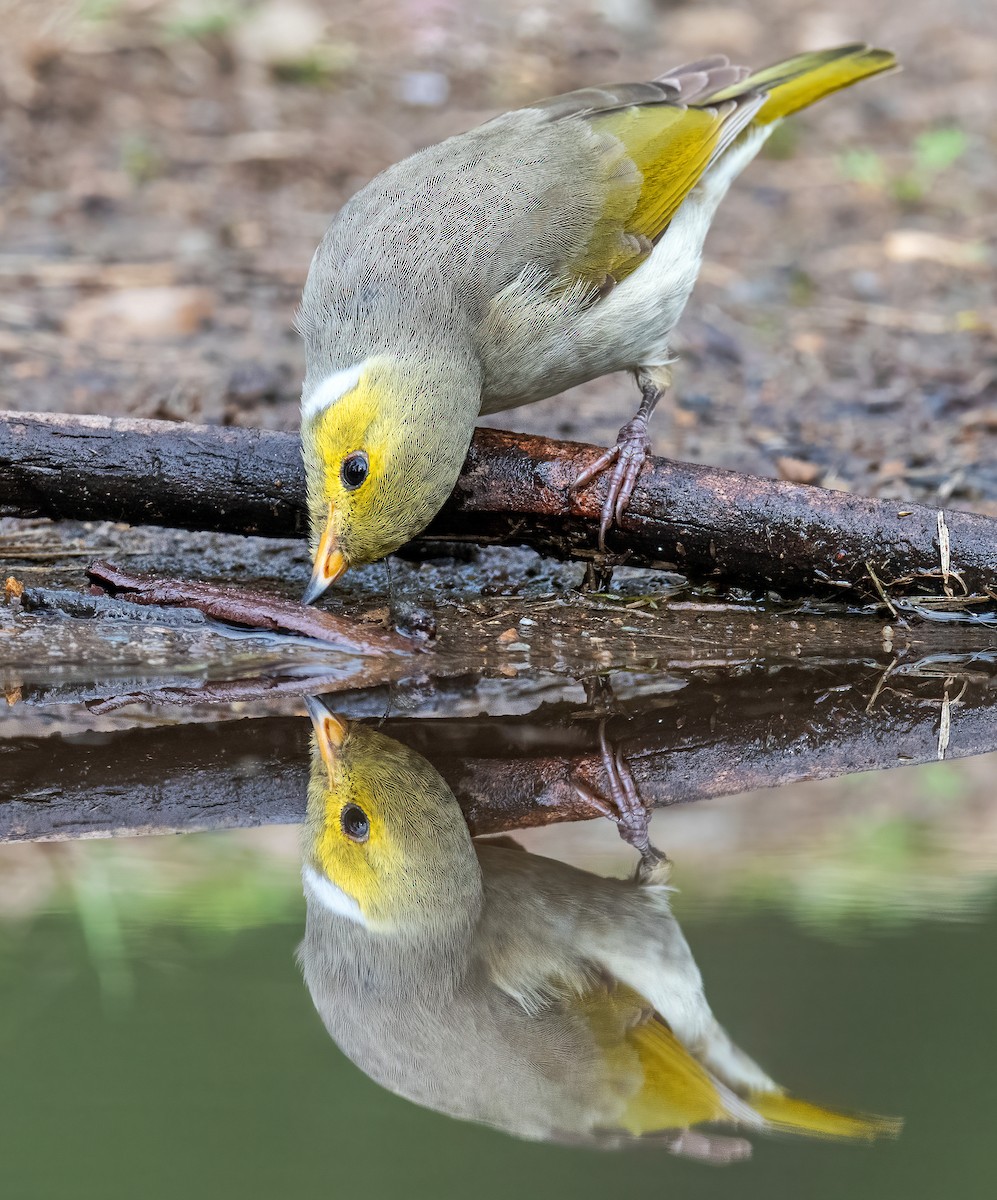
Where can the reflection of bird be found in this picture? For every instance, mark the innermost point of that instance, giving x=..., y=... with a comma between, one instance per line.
x=492, y=984
x=550, y=246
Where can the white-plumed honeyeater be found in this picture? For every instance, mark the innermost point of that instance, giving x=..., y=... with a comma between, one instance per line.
x=553, y=245
x=495, y=985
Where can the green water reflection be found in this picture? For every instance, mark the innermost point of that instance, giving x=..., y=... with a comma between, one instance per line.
x=217, y=1079
x=198, y=1067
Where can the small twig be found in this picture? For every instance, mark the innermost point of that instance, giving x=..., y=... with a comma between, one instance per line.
x=224, y=692
x=944, y=724
x=944, y=553
x=880, y=684
x=880, y=589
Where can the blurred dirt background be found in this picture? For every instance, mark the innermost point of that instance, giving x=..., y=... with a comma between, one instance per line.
x=168, y=166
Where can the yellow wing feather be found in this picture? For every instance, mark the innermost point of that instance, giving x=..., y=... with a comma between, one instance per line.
x=667, y=1088
x=677, y=1092
x=673, y=1090
x=670, y=147
x=662, y=149
x=801, y=81
x=792, y=1115
x=667, y=149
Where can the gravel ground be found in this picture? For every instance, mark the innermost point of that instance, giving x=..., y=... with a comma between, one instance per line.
x=843, y=329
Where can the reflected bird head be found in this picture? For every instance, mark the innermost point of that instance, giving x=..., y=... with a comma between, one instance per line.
x=385, y=842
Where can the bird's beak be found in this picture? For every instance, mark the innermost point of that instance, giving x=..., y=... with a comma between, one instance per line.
x=330, y=731
x=330, y=563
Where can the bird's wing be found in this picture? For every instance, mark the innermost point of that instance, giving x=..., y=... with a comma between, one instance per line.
x=675, y=1091
x=612, y=955
x=656, y=141
x=679, y=1092
x=659, y=138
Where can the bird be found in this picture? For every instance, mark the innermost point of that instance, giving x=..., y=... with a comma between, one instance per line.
x=495, y=985
x=550, y=246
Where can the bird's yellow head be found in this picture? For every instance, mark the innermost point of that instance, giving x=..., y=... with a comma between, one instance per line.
x=383, y=443
x=386, y=843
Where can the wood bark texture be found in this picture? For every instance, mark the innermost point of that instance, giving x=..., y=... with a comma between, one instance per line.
x=712, y=525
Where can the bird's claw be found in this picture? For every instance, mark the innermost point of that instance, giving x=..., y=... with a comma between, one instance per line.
x=633, y=446
x=625, y=807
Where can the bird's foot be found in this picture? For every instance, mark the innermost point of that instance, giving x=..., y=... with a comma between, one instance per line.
x=625, y=807
x=627, y=457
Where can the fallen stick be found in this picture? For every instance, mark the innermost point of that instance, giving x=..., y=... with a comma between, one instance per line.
x=714, y=526
x=714, y=737
x=253, y=610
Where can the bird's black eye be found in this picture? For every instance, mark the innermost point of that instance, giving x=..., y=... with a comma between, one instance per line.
x=354, y=470
x=355, y=824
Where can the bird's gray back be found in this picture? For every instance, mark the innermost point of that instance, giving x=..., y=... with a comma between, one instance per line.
x=429, y=242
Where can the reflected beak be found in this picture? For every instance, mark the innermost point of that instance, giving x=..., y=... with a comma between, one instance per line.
x=330, y=731
x=330, y=563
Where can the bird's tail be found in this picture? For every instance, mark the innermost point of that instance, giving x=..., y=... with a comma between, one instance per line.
x=678, y=1093
x=799, y=81
x=789, y=1114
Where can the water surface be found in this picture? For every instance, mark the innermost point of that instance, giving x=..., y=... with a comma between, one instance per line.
x=158, y=1039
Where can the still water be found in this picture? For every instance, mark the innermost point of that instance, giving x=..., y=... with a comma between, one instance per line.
x=519, y=1015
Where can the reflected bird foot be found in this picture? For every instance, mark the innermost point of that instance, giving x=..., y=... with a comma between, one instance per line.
x=625, y=807
x=600, y=699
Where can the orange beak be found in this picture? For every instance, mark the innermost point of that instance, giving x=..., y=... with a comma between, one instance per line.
x=330, y=731
x=330, y=563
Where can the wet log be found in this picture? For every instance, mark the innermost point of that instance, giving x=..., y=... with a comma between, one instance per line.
x=713, y=526
x=712, y=738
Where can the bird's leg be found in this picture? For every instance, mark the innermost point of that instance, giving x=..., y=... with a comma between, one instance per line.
x=633, y=445
x=625, y=807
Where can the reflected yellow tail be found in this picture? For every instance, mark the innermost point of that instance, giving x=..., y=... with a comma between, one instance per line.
x=679, y=1093
x=800, y=81
x=792, y=1115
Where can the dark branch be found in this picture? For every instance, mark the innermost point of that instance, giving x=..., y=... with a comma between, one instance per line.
x=712, y=525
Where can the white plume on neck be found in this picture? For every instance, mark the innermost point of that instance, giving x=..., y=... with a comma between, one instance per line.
x=332, y=898
x=331, y=389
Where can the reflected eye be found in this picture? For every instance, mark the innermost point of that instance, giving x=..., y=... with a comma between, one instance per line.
x=354, y=470
x=355, y=824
